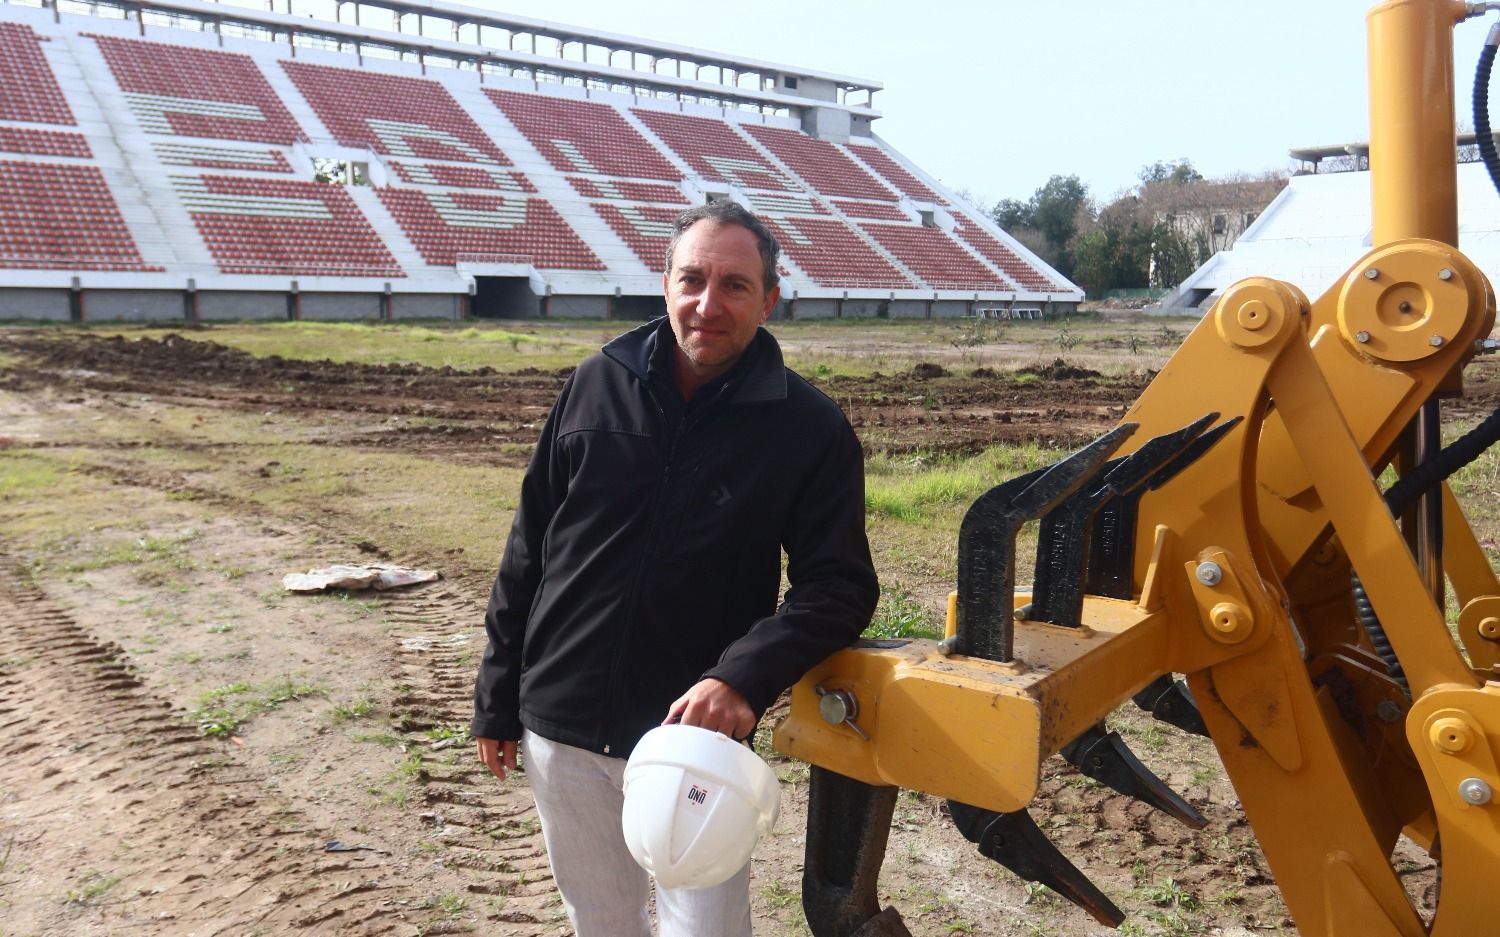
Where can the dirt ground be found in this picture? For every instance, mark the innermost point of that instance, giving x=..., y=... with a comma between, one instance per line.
x=186, y=750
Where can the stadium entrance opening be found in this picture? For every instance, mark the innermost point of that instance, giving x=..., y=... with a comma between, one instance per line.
x=505, y=298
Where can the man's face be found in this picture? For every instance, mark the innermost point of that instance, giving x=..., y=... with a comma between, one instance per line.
x=716, y=297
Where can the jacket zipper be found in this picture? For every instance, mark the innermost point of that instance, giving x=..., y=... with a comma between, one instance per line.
x=651, y=536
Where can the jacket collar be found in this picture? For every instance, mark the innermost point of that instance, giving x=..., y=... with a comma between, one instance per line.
x=763, y=381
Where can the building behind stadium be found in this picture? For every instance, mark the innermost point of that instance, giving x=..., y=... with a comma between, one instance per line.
x=1320, y=224
x=199, y=160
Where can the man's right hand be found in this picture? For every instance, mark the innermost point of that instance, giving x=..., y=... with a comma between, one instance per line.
x=499, y=757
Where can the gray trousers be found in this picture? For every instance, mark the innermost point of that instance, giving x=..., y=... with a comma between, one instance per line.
x=579, y=796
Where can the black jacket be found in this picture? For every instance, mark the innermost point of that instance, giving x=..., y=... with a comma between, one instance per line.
x=645, y=553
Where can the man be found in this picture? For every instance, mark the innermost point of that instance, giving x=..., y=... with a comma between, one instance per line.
x=639, y=585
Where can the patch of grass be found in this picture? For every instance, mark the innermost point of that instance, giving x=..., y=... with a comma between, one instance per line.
x=455, y=730
x=23, y=474
x=909, y=488
x=899, y=615
x=220, y=712
x=383, y=739
x=95, y=885
x=460, y=345
x=396, y=787
x=348, y=712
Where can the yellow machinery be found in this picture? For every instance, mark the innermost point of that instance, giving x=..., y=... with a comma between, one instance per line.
x=1230, y=529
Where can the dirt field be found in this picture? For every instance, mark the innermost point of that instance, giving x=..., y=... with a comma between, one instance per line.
x=185, y=749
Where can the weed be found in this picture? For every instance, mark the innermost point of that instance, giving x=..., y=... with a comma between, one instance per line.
x=1066, y=339
x=383, y=739
x=347, y=712
x=454, y=730
x=97, y=885
x=899, y=615
x=220, y=712
x=778, y=894
x=1169, y=894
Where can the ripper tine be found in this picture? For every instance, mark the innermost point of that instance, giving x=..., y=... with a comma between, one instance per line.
x=1064, y=476
x=1171, y=701
x=1015, y=841
x=1106, y=758
x=986, y=571
x=987, y=544
x=1112, y=539
x=1063, y=553
x=848, y=824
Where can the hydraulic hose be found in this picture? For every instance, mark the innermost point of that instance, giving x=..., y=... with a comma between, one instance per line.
x=1440, y=467
x=1482, y=106
x=1407, y=490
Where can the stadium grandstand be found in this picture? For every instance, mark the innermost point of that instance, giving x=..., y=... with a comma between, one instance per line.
x=212, y=160
x=1320, y=224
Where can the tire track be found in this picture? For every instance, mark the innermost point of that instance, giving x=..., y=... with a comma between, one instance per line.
x=488, y=829
x=181, y=840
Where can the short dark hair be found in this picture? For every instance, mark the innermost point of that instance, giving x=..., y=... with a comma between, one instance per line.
x=724, y=211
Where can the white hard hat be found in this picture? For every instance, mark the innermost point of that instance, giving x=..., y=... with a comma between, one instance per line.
x=696, y=803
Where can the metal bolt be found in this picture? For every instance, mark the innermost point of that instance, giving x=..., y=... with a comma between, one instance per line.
x=1474, y=791
x=1361, y=336
x=1436, y=341
x=1209, y=573
x=838, y=706
x=1451, y=735
x=1445, y=274
x=1487, y=346
x=1489, y=627
x=1372, y=274
x=1388, y=711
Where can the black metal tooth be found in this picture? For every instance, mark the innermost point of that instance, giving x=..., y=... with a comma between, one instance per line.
x=1171, y=701
x=987, y=544
x=1112, y=542
x=1015, y=841
x=1062, y=554
x=1106, y=758
x=848, y=824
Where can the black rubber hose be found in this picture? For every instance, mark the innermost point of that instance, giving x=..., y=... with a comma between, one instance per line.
x=1401, y=495
x=1440, y=467
x=1482, y=106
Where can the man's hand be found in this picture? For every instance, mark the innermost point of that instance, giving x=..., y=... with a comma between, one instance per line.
x=714, y=705
x=499, y=757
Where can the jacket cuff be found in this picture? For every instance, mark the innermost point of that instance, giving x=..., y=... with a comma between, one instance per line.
x=501, y=730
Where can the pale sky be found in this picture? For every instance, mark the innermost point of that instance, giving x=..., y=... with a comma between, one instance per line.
x=996, y=97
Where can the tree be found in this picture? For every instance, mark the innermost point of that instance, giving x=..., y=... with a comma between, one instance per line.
x=1056, y=207
x=1180, y=172
x=1049, y=221
x=1115, y=251
x=1009, y=213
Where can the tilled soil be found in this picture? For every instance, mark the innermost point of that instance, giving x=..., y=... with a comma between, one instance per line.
x=117, y=815
x=928, y=408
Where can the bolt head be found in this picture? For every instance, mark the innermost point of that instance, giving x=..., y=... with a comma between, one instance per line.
x=1436, y=341
x=1229, y=619
x=1451, y=735
x=1209, y=573
x=1362, y=336
x=1253, y=316
x=1445, y=274
x=1372, y=274
x=1475, y=791
x=836, y=707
